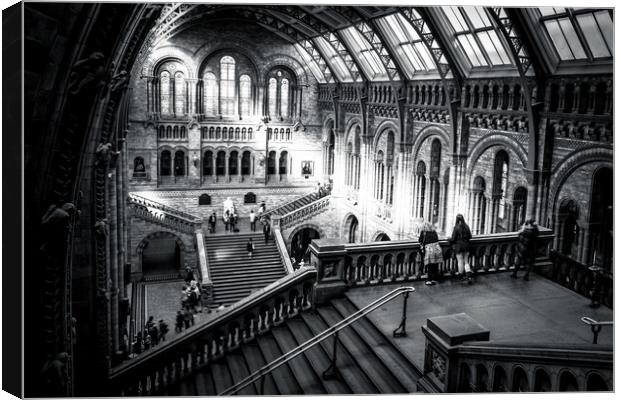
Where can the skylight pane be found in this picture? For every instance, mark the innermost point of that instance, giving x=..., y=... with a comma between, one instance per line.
x=411, y=56
x=334, y=60
x=366, y=55
x=494, y=47
x=426, y=55
x=607, y=27
x=477, y=16
x=407, y=28
x=456, y=19
x=309, y=61
x=473, y=52
x=593, y=35
x=571, y=37
x=546, y=11
x=558, y=40
x=391, y=23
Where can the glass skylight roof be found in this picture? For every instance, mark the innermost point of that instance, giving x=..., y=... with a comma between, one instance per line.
x=406, y=43
x=477, y=37
x=368, y=58
x=579, y=34
x=336, y=62
x=309, y=61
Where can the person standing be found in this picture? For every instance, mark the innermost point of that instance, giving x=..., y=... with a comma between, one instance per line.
x=429, y=244
x=226, y=221
x=212, y=222
x=250, y=247
x=163, y=330
x=461, y=235
x=266, y=231
x=261, y=209
x=526, y=247
x=252, y=221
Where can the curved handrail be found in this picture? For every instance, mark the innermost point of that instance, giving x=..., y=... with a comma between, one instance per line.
x=595, y=326
x=316, y=340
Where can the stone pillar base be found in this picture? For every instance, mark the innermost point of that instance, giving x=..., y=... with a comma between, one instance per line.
x=326, y=291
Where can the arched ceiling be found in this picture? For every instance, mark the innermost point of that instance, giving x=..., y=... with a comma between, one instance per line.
x=369, y=43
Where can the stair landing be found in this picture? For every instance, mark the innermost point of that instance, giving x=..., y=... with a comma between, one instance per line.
x=532, y=312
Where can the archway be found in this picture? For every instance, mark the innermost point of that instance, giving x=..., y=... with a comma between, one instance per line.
x=500, y=381
x=519, y=205
x=161, y=253
x=300, y=242
x=519, y=381
x=542, y=381
x=568, y=382
x=382, y=237
x=596, y=383
x=351, y=224
x=568, y=232
x=601, y=219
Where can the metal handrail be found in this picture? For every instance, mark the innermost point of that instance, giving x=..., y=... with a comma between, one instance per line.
x=596, y=326
x=333, y=330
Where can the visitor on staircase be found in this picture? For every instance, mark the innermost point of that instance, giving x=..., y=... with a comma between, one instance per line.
x=266, y=231
x=429, y=244
x=212, y=222
x=250, y=247
x=252, y=221
x=461, y=235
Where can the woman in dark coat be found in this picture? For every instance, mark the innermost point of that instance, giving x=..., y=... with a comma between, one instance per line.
x=461, y=234
x=429, y=245
x=527, y=248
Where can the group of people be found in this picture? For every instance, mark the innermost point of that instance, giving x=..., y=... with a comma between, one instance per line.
x=152, y=334
x=324, y=190
x=230, y=218
x=460, y=242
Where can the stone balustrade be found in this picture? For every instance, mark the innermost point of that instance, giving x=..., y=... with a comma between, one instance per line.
x=596, y=284
x=355, y=264
x=136, y=199
x=151, y=372
x=297, y=216
x=459, y=358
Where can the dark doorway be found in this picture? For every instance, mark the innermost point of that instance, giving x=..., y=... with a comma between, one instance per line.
x=601, y=219
x=383, y=237
x=300, y=242
x=161, y=255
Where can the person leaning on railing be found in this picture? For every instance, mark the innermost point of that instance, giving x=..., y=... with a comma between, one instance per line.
x=461, y=235
x=429, y=245
x=527, y=248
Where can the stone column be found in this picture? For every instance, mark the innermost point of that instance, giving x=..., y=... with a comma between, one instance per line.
x=112, y=256
x=366, y=187
x=402, y=200
x=339, y=163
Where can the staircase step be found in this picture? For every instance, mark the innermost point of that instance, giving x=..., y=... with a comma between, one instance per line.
x=348, y=368
x=221, y=375
x=406, y=373
x=239, y=371
x=316, y=356
x=283, y=376
x=204, y=382
x=254, y=359
x=363, y=354
x=301, y=368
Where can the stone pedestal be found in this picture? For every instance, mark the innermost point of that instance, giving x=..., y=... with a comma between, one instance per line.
x=328, y=259
x=443, y=336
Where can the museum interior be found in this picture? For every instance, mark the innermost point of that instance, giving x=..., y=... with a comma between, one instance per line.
x=228, y=199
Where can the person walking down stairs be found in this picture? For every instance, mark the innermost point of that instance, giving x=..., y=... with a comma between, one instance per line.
x=250, y=247
x=266, y=231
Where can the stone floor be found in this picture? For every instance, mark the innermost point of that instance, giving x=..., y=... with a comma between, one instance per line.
x=515, y=311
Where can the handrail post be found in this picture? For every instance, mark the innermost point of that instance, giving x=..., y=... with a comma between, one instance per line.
x=595, y=331
x=401, y=331
x=332, y=372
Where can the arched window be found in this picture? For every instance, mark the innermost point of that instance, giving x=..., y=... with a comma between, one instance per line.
x=245, y=163
x=179, y=163
x=211, y=94
x=245, y=94
x=284, y=98
x=273, y=93
x=233, y=161
x=179, y=94
x=283, y=163
x=165, y=163
x=207, y=164
x=420, y=188
x=227, y=85
x=271, y=163
x=164, y=92
x=478, y=205
x=220, y=163
x=500, y=187
x=434, y=179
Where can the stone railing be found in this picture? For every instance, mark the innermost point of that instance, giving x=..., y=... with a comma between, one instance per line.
x=355, y=264
x=203, y=265
x=220, y=132
x=592, y=282
x=281, y=245
x=281, y=208
x=143, y=201
x=153, y=371
x=460, y=358
x=303, y=213
x=160, y=217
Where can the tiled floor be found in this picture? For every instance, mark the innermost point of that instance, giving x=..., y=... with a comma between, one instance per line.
x=515, y=311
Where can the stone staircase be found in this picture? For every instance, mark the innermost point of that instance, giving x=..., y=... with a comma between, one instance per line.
x=233, y=273
x=293, y=205
x=367, y=362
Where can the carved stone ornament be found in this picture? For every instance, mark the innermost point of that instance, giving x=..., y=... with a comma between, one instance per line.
x=88, y=73
x=119, y=81
x=101, y=227
x=438, y=365
x=54, y=224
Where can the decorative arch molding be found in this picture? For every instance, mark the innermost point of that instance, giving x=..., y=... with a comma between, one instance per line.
x=164, y=147
x=170, y=53
x=351, y=123
x=382, y=128
x=426, y=133
x=496, y=139
x=157, y=235
x=299, y=228
x=346, y=221
x=205, y=54
x=379, y=233
x=286, y=61
x=330, y=119
x=571, y=163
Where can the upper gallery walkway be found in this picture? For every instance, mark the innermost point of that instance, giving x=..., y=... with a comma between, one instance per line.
x=534, y=312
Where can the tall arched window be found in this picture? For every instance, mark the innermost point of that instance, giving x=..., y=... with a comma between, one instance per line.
x=245, y=94
x=434, y=179
x=500, y=187
x=284, y=98
x=273, y=94
x=211, y=93
x=227, y=85
x=179, y=94
x=164, y=92
x=420, y=188
x=179, y=163
x=207, y=165
x=165, y=163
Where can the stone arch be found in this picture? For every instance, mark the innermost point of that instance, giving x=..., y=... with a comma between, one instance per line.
x=352, y=121
x=379, y=234
x=161, y=234
x=289, y=240
x=384, y=127
x=170, y=53
x=345, y=227
x=286, y=61
x=205, y=57
x=595, y=382
x=571, y=163
x=567, y=381
x=428, y=132
x=495, y=139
